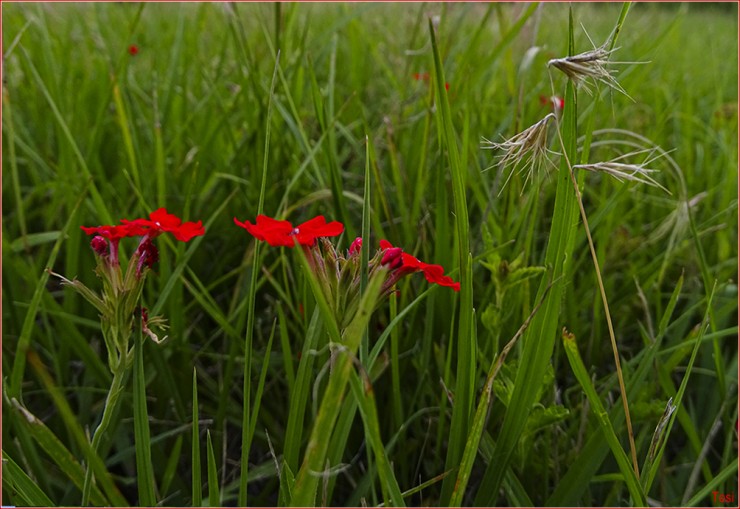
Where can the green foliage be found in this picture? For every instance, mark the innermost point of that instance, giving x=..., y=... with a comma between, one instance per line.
x=372, y=114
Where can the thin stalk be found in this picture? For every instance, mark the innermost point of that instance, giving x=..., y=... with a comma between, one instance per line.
x=622, y=389
x=111, y=403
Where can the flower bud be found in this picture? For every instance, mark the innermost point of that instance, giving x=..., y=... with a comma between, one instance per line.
x=148, y=255
x=356, y=246
x=99, y=245
x=392, y=258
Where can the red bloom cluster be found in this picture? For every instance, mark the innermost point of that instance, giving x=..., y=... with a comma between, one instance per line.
x=396, y=259
x=133, y=50
x=160, y=221
x=424, y=76
x=282, y=233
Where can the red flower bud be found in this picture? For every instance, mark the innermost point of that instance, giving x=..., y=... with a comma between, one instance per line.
x=99, y=245
x=392, y=258
x=148, y=255
x=356, y=246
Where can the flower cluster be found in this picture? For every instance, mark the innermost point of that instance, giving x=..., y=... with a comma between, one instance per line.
x=119, y=302
x=339, y=273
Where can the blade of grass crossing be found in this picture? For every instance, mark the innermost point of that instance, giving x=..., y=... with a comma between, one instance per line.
x=18, y=482
x=466, y=369
x=651, y=468
x=144, y=471
x=299, y=398
x=24, y=341
x=246, y=418
x=214, y=494
x=304, y=492
x=171, y=467
x=363, y=392
x=56, y=450
x=602, y=416
x=96, y=465
x=196, y=479
x=100, y=207
x=365, y=249
x=539, y=339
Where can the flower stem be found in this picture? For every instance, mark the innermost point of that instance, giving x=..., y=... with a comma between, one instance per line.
x=622, y=388
x=111, y=404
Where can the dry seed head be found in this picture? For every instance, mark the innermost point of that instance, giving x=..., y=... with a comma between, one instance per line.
x=528, y=148
x=624, y=171
x=590, y=64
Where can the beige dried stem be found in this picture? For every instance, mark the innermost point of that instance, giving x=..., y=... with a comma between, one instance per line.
x=527, y=149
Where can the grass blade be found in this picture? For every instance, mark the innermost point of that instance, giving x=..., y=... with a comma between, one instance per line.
x=15, y=480
x=196, y=479
x=653, y=460
x=539, y=339
x=144, y=471
x=214, y=493
x=363, y=393
x=466, y=368
x=246, y=435
x=24, y=341
x=304, y=492
x=602, y=416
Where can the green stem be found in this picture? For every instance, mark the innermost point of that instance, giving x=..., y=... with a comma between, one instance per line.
x=111, y=404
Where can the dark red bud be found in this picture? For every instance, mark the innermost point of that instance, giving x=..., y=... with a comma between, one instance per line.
x=392, y=258
x=355, y=247
x=99, y=245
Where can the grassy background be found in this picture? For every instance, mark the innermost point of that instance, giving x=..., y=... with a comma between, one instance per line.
x=182, y=124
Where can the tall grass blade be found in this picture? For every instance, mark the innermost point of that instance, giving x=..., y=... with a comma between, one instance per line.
x=144, y=471
x=466, y=366
x=602, y=416
x=246, y=402
x=24, y=341
x=653, y=460
x=307, y=480
x=196, y=480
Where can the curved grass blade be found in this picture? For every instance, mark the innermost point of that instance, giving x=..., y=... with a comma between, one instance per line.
x=17, y=481
x=304, y=492
x=602, y=416
x=24, y=341
x=363, y=392
x=466, y=368
x=56, y=450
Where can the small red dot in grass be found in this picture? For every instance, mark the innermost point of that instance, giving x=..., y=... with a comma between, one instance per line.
x=133, y=49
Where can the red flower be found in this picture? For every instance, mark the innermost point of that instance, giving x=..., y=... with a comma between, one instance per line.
x=160, y=221
x=409, y=264
x=282, y=233
x=424, y=76
x=133, y=50
x=557, y=102
x=115, y=233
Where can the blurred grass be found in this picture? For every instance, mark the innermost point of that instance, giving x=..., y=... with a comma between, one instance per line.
x=183, y=124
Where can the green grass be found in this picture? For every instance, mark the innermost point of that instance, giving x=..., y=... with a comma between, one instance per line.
x=421, y=407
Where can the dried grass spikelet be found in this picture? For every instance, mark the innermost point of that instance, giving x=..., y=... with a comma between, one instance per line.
x=625, y=171
x=527, y=148
x=591, y=64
